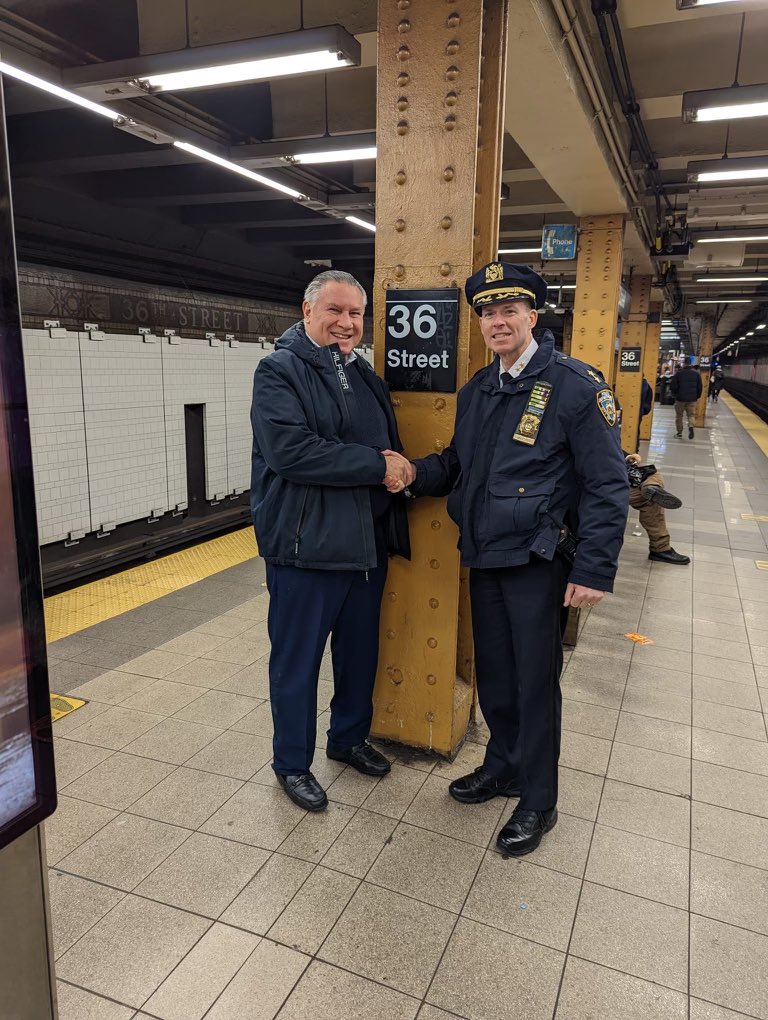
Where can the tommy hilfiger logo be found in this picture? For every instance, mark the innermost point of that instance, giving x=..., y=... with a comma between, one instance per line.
x=339, y=364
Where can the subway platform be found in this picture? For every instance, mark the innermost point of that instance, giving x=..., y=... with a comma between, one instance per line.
x=185, y=885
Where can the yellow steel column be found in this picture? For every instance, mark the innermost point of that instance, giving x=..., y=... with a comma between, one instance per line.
x=706, y=346
x=651, y=361
x=630, y=376
x=596, y=304
x=438, y=181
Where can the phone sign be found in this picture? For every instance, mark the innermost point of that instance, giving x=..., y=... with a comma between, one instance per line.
x=630, y=359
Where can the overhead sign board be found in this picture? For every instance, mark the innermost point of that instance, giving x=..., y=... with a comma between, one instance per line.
x=630, y=359
x=420, y=340
x=559, y=241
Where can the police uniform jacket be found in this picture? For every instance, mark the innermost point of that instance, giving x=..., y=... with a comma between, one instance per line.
x=310, y=482
x=510, y=498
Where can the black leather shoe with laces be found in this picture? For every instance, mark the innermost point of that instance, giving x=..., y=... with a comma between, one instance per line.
x=304, y=790
x=524, y=831
x=690, y=431
x=364, y=758
x=660, y=496
x=480, y=786
x=669, y=556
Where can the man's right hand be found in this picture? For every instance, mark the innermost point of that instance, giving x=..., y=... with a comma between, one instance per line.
x=400, y=472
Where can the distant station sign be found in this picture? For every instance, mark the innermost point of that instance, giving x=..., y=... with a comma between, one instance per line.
x=630, y=359
x=559, y=241
x=705, y=361
x=420, y=340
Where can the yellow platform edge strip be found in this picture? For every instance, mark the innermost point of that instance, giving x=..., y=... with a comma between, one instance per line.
x=75, y=610
x=748, y=420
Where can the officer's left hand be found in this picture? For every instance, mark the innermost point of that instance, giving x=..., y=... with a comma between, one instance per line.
x=579, y=597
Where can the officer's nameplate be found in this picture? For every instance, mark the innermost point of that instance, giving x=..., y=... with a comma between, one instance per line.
x=420, y=340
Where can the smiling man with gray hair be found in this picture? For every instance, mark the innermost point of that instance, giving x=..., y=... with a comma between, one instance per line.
x=325, y=524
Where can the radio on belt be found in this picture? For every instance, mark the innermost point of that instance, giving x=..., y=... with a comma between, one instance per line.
x=420, y=340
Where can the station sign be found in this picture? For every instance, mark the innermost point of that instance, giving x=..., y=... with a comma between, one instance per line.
x=704, y=361
x=559, y=241
x=420, y=340
x=630, y=359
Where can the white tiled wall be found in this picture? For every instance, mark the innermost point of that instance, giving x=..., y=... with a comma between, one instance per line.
x=55, y=395
x=240, y=364
x=124, y=427
x=193, y=373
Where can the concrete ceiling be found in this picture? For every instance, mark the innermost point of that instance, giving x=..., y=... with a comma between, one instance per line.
x=86, y=195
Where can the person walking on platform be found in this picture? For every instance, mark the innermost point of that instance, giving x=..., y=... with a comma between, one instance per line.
x=686, y=388
x=648, y=495
x=325, y=524
x=537, y=484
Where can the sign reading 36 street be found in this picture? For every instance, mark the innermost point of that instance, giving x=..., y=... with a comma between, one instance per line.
x=631, y=359
x=420, y=340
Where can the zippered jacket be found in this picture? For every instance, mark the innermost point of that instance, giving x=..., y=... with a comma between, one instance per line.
x=527, y=459
x=310, y=497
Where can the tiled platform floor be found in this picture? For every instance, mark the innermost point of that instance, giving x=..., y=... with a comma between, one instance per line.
x=185, y=885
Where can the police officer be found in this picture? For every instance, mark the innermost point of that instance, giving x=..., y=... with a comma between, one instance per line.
x=537, y=484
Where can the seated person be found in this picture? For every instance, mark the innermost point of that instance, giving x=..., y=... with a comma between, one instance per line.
x=648, y=495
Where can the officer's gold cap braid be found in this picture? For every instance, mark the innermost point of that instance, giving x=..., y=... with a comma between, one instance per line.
x=484, y=297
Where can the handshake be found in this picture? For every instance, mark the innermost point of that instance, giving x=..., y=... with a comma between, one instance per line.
x=400, y=472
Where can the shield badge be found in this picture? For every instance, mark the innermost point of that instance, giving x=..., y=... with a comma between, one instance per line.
x=607, y=406
x=494, y=272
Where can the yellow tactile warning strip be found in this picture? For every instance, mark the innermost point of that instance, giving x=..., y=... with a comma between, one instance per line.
x=61, y=705
x=93, y=603
x=748, y=420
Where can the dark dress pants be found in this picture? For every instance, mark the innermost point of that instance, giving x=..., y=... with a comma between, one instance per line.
x=305, y=607
x=517, y=620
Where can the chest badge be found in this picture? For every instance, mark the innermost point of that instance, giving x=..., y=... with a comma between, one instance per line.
x=607, y=406
x=494, y=272
x=527, y=430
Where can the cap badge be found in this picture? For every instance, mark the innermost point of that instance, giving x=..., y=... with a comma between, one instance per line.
x=494, y=272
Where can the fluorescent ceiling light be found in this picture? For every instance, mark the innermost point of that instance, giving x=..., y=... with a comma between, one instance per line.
x=739, y=168
x=732, y=279
x=732, y=239
x=237, y=169
x=247, y=70
x=761, y=326
x=561, y=286
x=334, y=155
x=520, y=251
x=313, y=49
x=56, y=90
x=725, y=104
x=688, y=5
x=724, y=301
x=361, y=223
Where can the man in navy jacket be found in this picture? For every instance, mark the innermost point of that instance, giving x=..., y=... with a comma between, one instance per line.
x=686, y=388
x=325, y=524
x=537, y=485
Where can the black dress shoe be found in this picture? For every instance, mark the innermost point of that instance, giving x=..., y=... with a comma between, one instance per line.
x=304, y=790
x=669, y=556
x=690, y=431
x=656, y=494
x=364, y=758
x=524, y=830
x=480, y=786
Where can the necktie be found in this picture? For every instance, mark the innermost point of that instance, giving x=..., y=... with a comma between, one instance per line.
x=505, y=379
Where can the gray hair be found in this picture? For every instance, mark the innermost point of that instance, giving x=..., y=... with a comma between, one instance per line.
x=331, y=276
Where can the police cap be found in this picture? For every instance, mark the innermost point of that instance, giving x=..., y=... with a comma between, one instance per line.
x=503, y=281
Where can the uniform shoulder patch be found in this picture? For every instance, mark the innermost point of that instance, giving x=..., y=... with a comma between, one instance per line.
x=607, y=406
